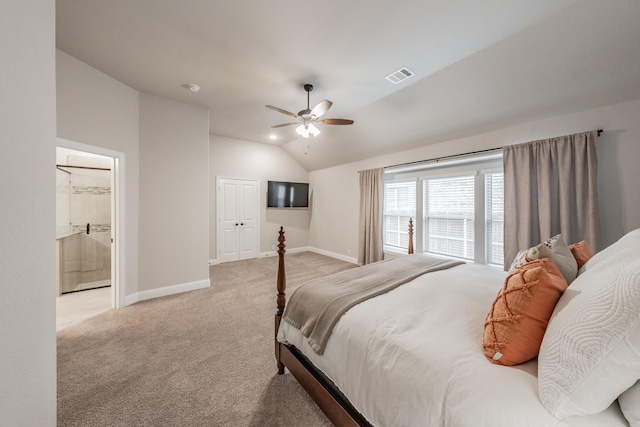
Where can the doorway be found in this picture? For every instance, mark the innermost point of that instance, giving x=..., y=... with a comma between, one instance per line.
x=237, y=219
x=88, y=226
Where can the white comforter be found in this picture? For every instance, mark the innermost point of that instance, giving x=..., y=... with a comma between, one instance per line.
x=413, y=357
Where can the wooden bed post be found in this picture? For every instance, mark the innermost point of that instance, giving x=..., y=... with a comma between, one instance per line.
x=335, y=406
x=281, y=301
x=410, y=236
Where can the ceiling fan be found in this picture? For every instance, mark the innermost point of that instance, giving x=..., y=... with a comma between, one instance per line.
x=307, y=117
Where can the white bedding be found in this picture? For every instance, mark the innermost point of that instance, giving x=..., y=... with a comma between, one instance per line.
x=414, y=357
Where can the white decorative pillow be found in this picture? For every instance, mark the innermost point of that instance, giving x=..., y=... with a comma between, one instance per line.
x=554, y=248
x=630, y=405
x=590, y=353
x=519, y=260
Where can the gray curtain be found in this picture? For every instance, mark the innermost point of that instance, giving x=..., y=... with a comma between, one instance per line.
x=370, y=229
x=550, y=187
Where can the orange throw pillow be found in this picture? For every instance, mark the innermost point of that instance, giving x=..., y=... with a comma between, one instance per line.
x=581, y=252
x=518, y=318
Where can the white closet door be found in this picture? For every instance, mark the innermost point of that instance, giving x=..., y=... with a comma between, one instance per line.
x=248, y=236
x=228, y=220
x=238, y=219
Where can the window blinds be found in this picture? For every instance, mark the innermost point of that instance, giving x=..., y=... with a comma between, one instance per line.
x=449, y=216
x=458, y=211
x=399, y=206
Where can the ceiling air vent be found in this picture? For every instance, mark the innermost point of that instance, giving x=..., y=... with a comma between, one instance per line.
x=400, y=75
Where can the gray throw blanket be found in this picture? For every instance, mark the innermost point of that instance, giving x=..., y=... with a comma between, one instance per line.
x=315, y=307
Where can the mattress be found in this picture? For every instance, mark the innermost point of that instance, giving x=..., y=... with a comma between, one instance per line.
x=414, y=357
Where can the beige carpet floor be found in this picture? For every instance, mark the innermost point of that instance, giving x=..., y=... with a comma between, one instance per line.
x=202, y=358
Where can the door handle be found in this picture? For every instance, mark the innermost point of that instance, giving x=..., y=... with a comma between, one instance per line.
x=88, y=228
x=236, y=224
x=242, y=223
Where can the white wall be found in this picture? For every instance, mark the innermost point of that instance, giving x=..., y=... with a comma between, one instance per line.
x=174, y=193
x=165, y=145
x=98, y=110
x=232, y=158
x=27, y=212
x=334, y=224
x=336, y=204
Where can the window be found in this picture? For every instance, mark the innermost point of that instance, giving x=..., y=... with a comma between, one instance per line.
x=399, y=206
x=460, y=208
x=449, y=216
x=494, y=217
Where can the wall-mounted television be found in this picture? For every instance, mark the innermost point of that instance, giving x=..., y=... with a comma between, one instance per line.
x=287, y=194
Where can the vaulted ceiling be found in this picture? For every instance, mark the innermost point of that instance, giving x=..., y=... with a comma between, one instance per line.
x=478, y=65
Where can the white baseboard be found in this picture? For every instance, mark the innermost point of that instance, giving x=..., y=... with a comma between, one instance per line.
x=200, y=284
x=289, y=251
x=335, y=255
x=166, y=291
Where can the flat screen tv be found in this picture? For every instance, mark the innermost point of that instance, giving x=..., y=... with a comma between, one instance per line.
x=287, y=194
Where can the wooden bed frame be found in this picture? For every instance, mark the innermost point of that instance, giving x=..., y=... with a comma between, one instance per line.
x=320, y=388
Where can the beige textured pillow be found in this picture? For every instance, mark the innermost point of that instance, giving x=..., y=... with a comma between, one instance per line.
x=554, y=248
x=517, y=320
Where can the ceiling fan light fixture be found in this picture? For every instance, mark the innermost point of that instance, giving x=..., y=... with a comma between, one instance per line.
x=305, y=130
x=307, y=117
x=313, y=130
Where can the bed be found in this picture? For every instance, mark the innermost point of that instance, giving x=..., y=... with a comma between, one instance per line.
x=414, y=355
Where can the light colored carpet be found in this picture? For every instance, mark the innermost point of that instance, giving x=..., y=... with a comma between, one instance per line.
x=202, y=358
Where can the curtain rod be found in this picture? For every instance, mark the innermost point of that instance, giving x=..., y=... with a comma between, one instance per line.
x=437, y=159
x=453, y=156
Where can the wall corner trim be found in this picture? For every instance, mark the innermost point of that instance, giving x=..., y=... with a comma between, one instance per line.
x=166, y=291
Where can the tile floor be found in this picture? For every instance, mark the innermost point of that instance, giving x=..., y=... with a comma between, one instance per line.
x=77, y=306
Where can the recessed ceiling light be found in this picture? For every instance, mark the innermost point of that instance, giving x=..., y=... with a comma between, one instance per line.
x=273, y=137
x=193, y=87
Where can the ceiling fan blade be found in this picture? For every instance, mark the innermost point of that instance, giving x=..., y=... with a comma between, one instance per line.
x=336, y=122
x=321, y=108
x=280, y=110
x=286, y=124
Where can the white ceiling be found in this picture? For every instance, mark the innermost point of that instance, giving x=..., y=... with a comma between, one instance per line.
x=479, y=65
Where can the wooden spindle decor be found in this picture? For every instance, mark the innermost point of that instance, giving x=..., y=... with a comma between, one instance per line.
x=281, y=301
x=410, y=236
